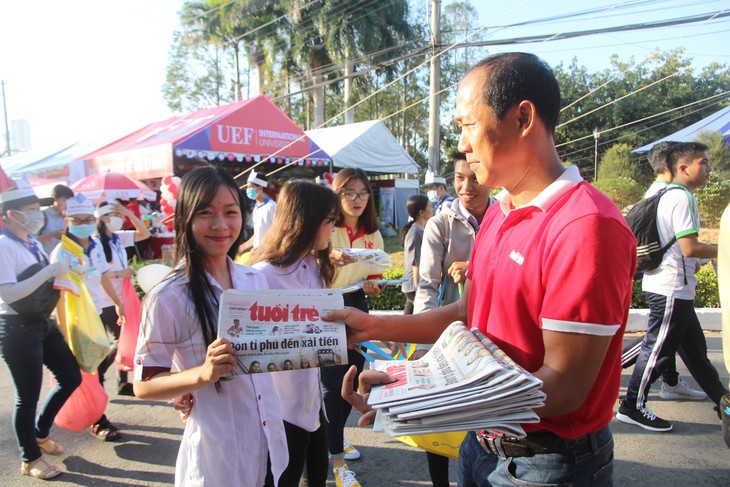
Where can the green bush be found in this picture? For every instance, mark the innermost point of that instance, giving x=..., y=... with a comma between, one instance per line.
x=392, y=297
x=712, y=199
x=616, y=163
x=622, y=191
x=708, y=295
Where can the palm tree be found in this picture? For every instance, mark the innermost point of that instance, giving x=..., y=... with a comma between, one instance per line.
x=236, y=25
x=346, y=32
x=369, y=33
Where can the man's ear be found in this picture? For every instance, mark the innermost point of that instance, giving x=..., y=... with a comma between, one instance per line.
x=526, y=116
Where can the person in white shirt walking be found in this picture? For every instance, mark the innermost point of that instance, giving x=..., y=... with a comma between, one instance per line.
x=263, y=210
x=673, y=325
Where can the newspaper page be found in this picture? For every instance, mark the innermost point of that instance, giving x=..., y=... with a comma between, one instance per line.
x=465, y=382
x=455, y=360
x=278, y=330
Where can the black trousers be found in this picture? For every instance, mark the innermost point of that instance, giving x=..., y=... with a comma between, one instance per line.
x=305, y=448
x=673, y=327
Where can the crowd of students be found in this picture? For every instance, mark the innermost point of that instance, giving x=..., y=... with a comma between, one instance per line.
x=498, y=264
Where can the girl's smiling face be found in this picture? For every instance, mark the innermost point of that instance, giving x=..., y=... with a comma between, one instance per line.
x=216, y=227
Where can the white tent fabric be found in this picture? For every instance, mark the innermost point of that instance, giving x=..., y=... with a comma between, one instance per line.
x=364, y=145
x=717, y=122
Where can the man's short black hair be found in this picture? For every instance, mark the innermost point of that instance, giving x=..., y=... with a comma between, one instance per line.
x=516, y=76
x=682, y=150
x=458, y=156
x=61, y=191
x=658, y=156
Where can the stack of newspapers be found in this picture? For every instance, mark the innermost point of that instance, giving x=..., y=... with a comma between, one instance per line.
x=465, y=382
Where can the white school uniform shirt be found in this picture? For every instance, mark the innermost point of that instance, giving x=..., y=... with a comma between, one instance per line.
x=14, y=259
x=299, y=391
x=230, y=434
x=125, y=238
x=95, y=265
x=263, y=217
x=655, y=187
x=677, y=215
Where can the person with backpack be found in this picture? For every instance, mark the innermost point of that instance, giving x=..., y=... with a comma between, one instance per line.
x=670, y=289
x=673, y=387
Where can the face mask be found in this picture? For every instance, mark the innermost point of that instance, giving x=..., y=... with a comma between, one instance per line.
x=433, y=196
x=33, y=220
x=82, y=231
x=251, y=193
x=115, y=224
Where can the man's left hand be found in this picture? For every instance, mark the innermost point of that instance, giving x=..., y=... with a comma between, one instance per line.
x=359, y=400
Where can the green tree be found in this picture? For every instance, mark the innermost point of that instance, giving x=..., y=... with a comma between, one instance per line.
x=195, y=76
x=616, y=163
x=718, y=152
x=622, y=190
x=712, y=200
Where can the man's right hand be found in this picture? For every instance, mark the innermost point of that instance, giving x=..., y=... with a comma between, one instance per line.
x=357, y=322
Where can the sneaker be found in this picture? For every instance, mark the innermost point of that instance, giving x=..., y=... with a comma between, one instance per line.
x=344, y=477
x=643, y=417
x=680, y=391
x=351, y=452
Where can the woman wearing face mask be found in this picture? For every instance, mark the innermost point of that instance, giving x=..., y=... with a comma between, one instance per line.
x=81, y=223
x=28, y=340
x=114, y=241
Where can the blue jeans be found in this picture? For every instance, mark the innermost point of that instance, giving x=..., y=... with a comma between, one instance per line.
x=25, y=347
x=588, y=464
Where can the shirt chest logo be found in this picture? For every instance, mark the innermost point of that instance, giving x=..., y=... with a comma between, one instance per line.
x=517, y=257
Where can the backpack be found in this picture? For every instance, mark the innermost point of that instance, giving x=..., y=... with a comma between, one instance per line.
x=642, y=220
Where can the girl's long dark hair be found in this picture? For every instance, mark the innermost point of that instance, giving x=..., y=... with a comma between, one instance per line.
x=101, y=230
x=196, y=192
x=300, y=211
x=369, y=218
x=415, y=205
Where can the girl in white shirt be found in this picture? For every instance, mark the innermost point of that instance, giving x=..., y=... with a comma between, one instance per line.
x=295, y=255
x=114, y=241
x=236, y=425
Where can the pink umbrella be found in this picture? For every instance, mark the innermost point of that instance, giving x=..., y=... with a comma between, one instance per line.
x=112, y=185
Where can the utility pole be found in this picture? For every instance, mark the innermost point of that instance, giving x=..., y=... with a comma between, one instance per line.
x=596, y=134
x=434, y=124
x=7, y=127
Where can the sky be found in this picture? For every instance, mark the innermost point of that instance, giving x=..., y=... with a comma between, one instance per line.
x=79, y=69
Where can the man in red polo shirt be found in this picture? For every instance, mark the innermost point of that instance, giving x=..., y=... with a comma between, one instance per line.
x=549, y=280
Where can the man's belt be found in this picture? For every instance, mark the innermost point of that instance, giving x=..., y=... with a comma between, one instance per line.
x=538, y=443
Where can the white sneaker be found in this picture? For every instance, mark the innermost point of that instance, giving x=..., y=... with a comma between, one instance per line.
x=344, y=477
x=351, y=452
x=681, y=391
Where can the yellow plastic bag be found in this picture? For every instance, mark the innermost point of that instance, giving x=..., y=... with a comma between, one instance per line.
x=85, y=332
x=445, y=444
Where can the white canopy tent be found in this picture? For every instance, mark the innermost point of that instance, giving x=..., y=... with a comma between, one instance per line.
x=364, y=145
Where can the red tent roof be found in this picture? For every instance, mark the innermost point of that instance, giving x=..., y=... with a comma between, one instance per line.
x=249, y=129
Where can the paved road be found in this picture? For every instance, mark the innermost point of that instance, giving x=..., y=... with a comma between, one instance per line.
x=693, y=454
